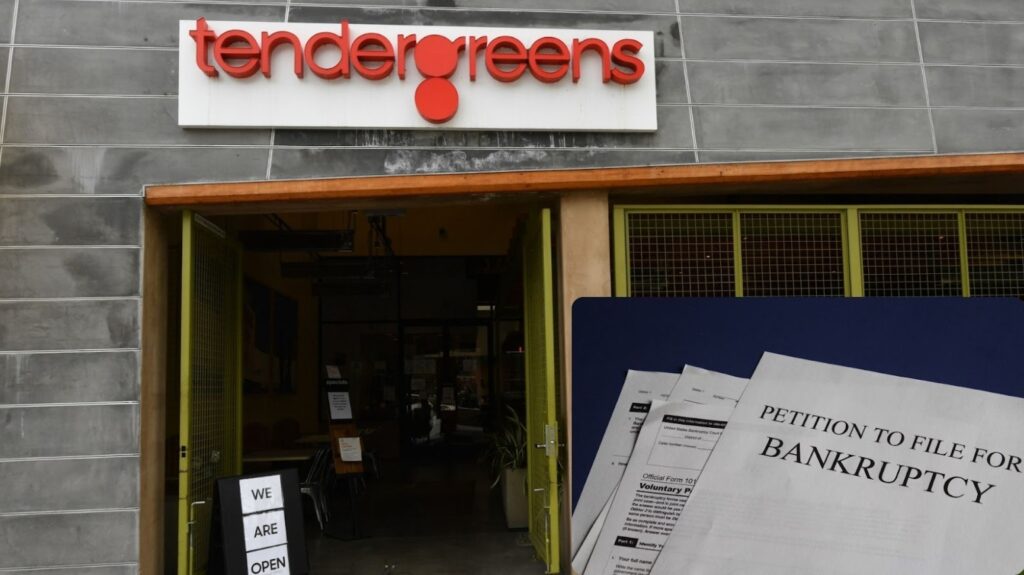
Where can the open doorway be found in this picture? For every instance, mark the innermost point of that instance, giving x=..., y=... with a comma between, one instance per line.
x=418, y=315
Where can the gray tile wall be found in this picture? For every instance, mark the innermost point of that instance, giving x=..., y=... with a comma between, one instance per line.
x=88, y=119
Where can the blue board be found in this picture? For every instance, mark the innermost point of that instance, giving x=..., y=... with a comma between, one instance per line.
x=976, y=343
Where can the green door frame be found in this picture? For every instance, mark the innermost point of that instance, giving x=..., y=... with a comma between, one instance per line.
x=543, y=488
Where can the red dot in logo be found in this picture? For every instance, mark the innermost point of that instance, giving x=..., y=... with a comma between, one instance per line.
x=437, y=100
x=436, y=56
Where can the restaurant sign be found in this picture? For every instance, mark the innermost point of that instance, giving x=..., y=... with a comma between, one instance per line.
x=344, y=75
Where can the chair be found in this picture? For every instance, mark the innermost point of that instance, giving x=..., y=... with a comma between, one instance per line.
x=317, y=484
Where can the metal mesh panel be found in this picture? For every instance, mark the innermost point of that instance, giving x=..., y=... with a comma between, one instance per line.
x=910, y=254
x=681, y=255
x=213, y=405
x=995, y=254
x=792, y=254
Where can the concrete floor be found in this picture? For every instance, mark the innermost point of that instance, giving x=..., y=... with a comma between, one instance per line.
x=436, y=516
x=508, y=553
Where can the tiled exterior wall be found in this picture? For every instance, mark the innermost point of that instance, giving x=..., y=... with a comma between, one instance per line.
x=89, y=118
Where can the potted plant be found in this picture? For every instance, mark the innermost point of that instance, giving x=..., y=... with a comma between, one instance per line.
x=507, y=455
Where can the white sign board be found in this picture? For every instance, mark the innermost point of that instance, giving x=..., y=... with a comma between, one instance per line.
x=265, y=529
x=458, y=78
x=270, y=561
x=261, y=494
x=263, y=521
x=829, y=469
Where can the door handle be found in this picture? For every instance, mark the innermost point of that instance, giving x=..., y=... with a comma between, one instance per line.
x=191, y=532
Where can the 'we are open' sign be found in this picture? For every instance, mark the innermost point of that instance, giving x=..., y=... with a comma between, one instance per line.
x=260, y=526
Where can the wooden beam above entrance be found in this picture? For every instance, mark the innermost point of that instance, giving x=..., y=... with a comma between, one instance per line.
x=452, y=186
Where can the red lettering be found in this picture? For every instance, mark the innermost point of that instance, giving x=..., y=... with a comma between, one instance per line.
x=437, y=56
x=374, y=57
x=541, y=55
x=624, y=55
x=581, y=46
x=339, y=70
x=404, y=44
x=235, y=45
x=503, y=51
x=202, y=35
x=373, y=48
x=475, y=45
x=271, y=42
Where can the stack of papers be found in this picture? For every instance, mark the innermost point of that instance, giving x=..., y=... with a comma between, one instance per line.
x=805, y=468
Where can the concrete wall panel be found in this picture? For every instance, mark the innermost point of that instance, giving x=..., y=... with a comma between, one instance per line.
x=80, y=570
x=996, y=10
x=962, y=131
x=322, y=163
x=69, y=431
x=112, y=23
x=69, y=377
x=94, y=71
x=111, y=121
x=672, y=136
x=636, y=6
x=724, y=156
x=69, y=221
x=70, y=484
x=670, y=80
x=69, y=325
x=976, y=86
x=869, y=129
x=972, y=43
x=806, y=84
x=72, y=539
x=123, y=171
x=75, y=272
x=802, y=40
x=845, y=8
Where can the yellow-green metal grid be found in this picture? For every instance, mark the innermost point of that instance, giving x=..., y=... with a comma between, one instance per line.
x=910, y=254
x=210, y=381
x=792, y=254
x=681, y=254
x=995, y=253
x=913, y=250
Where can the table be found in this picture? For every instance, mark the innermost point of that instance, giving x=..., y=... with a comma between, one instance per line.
x=315, y=439
x=278, y=455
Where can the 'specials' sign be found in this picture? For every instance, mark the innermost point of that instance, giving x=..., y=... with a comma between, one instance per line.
x=342, y=75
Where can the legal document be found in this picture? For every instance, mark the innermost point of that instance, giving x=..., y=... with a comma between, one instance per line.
x=638, y=390
x=829, y=469
x=667, y=461
x=695, y=386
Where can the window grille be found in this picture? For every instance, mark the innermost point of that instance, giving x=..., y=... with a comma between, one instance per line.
x=995, y=250
x=910, y=254
x=792, y=254
x=681, y=255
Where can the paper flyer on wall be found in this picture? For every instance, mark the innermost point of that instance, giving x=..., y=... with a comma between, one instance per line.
x=669, y=456
x=829, y=469
x=695, y=385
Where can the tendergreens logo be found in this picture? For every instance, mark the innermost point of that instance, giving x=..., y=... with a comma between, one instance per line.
x=335, y=52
